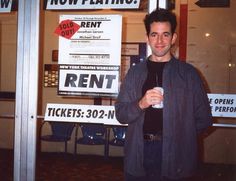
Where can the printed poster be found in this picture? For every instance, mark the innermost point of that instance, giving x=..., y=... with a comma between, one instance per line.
x=89, y=54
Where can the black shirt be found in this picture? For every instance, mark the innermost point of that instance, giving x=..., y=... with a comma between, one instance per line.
x=153, y=120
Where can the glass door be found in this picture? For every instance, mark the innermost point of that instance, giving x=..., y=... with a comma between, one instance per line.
x=8, y=46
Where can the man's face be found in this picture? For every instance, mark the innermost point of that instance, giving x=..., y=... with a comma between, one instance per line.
x=160, y=40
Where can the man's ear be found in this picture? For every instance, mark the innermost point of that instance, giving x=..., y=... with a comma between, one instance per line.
x=174, y=38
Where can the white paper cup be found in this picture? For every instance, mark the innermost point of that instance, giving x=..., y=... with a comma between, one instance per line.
x=159, y=106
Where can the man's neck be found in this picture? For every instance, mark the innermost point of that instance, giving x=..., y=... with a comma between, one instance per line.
x=160, y=59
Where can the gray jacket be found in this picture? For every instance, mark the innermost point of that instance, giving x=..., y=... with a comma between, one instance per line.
x=186, y=112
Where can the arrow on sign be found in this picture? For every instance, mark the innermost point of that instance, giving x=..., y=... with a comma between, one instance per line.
x=213, y=3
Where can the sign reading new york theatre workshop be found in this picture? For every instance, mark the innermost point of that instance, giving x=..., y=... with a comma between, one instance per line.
x=89, y=54
x=91, y=4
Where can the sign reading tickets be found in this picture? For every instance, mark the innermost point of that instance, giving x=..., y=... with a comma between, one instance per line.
x=92, y=4
x=89, y=54
x=81, y=113
x=223, y=105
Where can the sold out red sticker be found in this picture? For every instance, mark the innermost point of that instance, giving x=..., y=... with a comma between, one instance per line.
x=67, y=29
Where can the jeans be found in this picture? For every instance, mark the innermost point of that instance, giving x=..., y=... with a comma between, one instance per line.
x=151, y=163
x=152, y=160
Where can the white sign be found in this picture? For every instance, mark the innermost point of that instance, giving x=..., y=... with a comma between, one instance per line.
x=5, y=6
x=97, y=42
x=90, y=58
x=223, y=105
x=81, y=113
x=88, y=80
x=92, y=4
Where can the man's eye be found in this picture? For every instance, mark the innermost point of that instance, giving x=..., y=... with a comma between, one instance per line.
x=166, y=34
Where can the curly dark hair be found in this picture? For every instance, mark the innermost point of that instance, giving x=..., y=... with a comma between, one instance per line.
x=160, y=15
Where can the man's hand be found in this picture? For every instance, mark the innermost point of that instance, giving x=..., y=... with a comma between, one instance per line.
x=151, y=97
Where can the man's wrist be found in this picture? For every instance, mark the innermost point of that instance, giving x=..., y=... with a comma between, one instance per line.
x=141, y=105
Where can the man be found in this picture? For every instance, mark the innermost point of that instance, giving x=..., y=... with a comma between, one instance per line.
x=161, y=143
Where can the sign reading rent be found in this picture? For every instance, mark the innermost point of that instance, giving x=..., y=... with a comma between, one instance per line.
x=93, y=80
x=89, y=55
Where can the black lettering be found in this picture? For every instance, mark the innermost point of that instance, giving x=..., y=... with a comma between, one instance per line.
x=69, y=113
x=95, y=24
x=111, y=114
x=220, y=101
x=89, y=112
x=84, y=1
x=90, y=24
x=73, y=2
x=5, y=3
x=119, y=1
x=95, y=113
x=99, y=2
x=54, y=2
x=94, y=80
x=73, y=112
x=232, y=109
x=210, y=101
x=63, y=112
x=83, y=79
x=101, y=114
x=62, y=2
x=122, y=1
x=224, y=109
x=216, y=101
x=216, y=108
x=57, y=112
x=130, y=1
x=110, y=79
x=224, y=101
x=229, y=101
x=50, y=111
x=78, y=113
x=82, y=24
x=70, y=80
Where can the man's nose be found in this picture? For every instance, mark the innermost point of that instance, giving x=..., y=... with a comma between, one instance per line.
x=159, y=38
